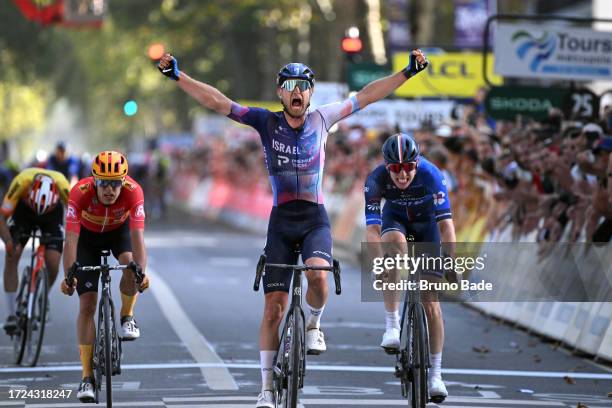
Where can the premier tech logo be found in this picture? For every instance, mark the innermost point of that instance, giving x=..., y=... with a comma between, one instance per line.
x=536, y=49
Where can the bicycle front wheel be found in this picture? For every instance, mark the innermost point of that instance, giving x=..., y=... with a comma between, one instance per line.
x=295, y=367
x=418, y=357
x=20, y=335
x=108, y=351
x=36, y=324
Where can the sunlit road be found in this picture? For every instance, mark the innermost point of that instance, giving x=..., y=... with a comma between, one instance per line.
x=199, y=325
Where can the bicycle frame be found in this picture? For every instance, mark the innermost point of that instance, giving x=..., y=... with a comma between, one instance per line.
x=37, y=262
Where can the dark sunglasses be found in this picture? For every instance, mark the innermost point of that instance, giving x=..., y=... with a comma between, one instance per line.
x=398, y=167
x=290, y=84
x=105, y=183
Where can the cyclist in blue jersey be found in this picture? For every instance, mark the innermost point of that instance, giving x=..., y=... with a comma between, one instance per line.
x=294, y=147
x=417, y=204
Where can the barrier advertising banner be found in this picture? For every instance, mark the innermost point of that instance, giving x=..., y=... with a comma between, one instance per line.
x=449, y=74
x=553, y=52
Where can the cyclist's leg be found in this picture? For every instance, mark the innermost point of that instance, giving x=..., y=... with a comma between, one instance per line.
x=276, y=283
x=16, y=222
x=53, y=224
x=87, y=289
x=393, y=236
x=121, y=246
x=429, y=233
x=316, y=251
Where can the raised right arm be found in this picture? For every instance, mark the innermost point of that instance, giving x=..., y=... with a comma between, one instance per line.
x=205, y=94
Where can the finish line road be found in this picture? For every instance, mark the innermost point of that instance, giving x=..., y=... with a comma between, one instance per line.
x=198, y=347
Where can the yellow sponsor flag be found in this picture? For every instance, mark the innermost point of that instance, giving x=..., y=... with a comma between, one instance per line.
x=450, y=74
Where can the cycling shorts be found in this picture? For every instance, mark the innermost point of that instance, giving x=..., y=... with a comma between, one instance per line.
x=295, y=227
x=25, y=220
x=418, y=231
x=88, y=253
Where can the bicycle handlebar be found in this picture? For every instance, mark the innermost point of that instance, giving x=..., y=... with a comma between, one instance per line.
x=71, y=275
x=335, y=269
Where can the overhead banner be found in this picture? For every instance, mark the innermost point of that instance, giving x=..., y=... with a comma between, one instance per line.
x=553, y=52
x=470, y=20
x=451, y=74
x=408, y=115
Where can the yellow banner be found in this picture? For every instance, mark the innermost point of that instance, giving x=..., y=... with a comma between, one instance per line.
x=453, y=74
x=272, y=106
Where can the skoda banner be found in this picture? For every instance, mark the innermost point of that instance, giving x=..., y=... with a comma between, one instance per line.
x=540, y=51
x=506, y=102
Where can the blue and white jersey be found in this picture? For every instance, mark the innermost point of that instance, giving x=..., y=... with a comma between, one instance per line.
x=295, y=157
x=425, y=199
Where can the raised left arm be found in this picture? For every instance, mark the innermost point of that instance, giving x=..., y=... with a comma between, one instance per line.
x=381, y=88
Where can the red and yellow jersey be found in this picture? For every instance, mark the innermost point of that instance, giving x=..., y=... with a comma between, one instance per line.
x=85, y=209
x=20, y=188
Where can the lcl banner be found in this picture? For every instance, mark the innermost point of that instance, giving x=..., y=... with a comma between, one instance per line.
x=553, y=52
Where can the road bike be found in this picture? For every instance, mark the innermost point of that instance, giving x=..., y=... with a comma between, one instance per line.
x=412, y=362
x=290, y=361
x=32, y=302
x=107, y=348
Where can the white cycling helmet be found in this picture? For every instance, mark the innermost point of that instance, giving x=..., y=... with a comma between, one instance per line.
x=43, y=194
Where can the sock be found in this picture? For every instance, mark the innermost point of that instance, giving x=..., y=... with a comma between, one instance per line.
x=127, y=305
x=10, y=302
x=392, y=319
x=314, y=318
x=266, y=358
x=436, y=365
x=86, y=354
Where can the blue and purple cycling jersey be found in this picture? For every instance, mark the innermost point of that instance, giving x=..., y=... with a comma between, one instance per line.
x=425, y=200
x=295, y=157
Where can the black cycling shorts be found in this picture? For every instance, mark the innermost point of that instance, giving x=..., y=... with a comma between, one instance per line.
x=88, y=253
x=295, y=227
x=25, y=220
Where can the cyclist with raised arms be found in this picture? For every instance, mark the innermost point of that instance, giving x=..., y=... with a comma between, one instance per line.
x=35, y=199
x=105, y=211
x=416, y=204
x=294, y=146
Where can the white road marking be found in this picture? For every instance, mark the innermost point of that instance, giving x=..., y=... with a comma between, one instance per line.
x=348, y=368
x=216, y=375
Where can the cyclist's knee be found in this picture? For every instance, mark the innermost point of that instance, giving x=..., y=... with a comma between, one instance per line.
x=432, y=309
x=274, y=306
x=317, y=279
x=87, y=305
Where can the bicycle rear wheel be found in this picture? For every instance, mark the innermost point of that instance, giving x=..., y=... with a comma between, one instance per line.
x=108, y=351
x=418, y=357
x=295, y=365
x=36, y=324
x=21, y=312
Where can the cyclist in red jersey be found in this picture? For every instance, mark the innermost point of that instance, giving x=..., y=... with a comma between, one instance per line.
x=105, y=211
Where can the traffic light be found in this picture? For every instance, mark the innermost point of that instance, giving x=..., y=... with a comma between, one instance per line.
x=130, y=108
x=351, y=44
x=156, y=51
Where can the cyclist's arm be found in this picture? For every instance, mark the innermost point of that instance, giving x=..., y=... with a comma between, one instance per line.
x=5, y=234
x=70, y=250
x=205, y=94
x=381, y=88
x=373, y=218
x=139, y=252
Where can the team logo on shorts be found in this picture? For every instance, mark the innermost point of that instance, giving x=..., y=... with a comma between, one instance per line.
x=438, y=198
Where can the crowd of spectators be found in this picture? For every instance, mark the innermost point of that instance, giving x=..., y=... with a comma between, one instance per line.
x=545, y=179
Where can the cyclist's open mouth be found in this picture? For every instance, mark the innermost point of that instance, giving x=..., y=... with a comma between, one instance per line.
x=296, y=102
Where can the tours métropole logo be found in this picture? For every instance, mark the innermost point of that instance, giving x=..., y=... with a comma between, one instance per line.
x=539, y=49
